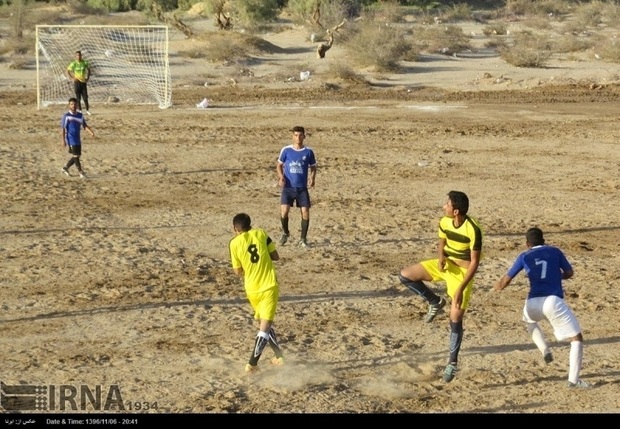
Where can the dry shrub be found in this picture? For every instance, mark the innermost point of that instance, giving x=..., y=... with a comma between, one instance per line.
x=18, y=64
x=495, y=29
x=389, y=11
x=592, y=17
x=125, y=18
x=611, y=15
x=538, y=22
x=574, y=27
x=537, y=7
x=77, y=7
x=608, y=49
x=589, y=14
x=379, y=45
x=345, y=73
x=456, y=12
x=527, y=50
x=496, y=42
x=520, y=7
x=227, y=46
x=15, y=46
x=45, y=16
x=445, y=39
x=572, y=43
x=553, y=7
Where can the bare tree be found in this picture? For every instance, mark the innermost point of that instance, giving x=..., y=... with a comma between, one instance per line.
x=18, y=17
x=218, y=8
x=174, y=21
x=324, y=47
x=316, y=20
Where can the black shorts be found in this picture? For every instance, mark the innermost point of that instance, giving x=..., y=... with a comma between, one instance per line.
x=301, y=196
x=75, y=150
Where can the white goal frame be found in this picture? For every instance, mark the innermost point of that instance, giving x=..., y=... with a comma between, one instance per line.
x=129, y=63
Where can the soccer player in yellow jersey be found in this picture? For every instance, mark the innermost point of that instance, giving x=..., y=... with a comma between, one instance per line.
x=79, y=72
x=460, y=250
x=252, y=253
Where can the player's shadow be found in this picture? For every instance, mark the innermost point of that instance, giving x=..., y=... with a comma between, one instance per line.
x=196, y=303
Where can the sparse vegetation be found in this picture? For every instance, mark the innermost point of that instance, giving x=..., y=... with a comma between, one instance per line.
x=590, y=15
x=527, y=50
x=17, y=64
x=458, y=12
x=389, y=11
x=495, y=29
x=538, y=22
x=345, y=73
x=374, y=34
x=84, y=8
x=537, y=7
x=252, y=14
x=572, y=43
x=221, y=47
x=608, y=49
x=444, y=39
x=379, y=46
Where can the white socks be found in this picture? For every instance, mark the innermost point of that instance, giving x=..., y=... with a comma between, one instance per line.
x=576, y=356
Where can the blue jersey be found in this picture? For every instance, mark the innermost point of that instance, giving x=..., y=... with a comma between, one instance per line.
x=296, y=163
x=543, y=266
x=73, y=124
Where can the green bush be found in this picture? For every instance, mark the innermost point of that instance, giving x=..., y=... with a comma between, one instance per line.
x=331, y=12
x=251, y=13
x=83, y=8
x=113, y=5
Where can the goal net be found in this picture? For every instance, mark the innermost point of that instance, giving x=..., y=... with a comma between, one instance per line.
x=129, y=64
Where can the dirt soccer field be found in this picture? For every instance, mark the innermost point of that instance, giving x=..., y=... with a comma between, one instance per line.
x=123, y=281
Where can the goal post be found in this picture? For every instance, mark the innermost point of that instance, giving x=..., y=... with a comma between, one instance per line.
x=129, y=64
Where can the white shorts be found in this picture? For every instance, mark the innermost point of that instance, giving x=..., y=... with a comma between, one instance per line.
x=556, y=311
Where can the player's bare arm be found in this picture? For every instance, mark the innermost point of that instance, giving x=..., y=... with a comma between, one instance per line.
x=441, y=264
x=502, y=282
x=280, y=170
x=312, y=177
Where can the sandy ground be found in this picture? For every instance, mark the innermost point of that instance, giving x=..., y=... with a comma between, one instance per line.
x=124, y=279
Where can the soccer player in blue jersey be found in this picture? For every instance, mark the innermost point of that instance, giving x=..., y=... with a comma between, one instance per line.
x=296, y=169
x=72, y=123
x=252, y=253
x=459, y=254
x=546, y=266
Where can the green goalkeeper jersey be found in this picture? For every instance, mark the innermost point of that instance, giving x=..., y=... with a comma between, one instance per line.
x=79, y=69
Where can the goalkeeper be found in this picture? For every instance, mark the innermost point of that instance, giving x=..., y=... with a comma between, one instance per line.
x=79, y=72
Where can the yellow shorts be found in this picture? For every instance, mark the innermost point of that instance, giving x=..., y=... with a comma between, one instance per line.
x=453, y=276
x=265, y=303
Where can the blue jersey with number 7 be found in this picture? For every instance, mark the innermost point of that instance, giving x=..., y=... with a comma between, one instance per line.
x=543, y=266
